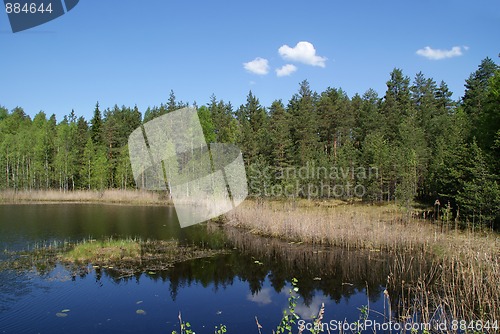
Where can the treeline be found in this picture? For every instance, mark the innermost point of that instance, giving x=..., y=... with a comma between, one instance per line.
x=414, y=143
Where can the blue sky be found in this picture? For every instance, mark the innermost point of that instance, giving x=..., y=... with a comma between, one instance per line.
x=134, y=52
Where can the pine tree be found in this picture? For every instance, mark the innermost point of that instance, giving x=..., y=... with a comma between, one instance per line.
x=279, y=135
x=396, y=103
x=370, y=118
x=95, y=126
x=225, y=125
x=378, y=161
x=252, y=119
x=474, y=99
x=304, y=124
x=479, y=193
x=489, y=121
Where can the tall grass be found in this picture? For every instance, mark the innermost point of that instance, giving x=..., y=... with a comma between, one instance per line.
x=349, y=226
x=459, y=282
x=435, y=274
x=105, y=196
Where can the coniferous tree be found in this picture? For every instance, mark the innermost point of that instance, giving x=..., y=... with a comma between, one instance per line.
x=225, y=125
x=304, y=124
x=95, y=126
x=489, y=120
x=370, y=119
x=252, y=119
x=396, y=103
x=479, y=193
x=279, y=136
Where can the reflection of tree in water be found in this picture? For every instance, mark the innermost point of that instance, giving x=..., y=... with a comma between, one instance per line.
x=338, y=273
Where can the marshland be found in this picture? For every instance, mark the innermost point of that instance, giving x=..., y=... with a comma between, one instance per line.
x=354, y=259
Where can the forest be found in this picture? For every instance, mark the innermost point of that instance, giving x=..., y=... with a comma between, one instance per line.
x=422, y=145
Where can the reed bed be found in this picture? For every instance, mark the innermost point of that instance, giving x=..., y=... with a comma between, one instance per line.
x=437, y=275
x=461, y=283
x=349, y=226
x=84, y=196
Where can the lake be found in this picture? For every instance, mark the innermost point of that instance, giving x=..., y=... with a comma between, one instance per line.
x=252, y=278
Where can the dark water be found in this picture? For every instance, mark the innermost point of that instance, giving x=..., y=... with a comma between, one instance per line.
x=252, y=279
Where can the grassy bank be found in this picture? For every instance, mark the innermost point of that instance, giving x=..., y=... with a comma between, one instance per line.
x=436, y=272
x=84, y=196
x=337, y=224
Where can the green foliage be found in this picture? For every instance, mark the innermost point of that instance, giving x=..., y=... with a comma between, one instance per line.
x=252, y=119
x=279, y=136
x=290, y=318
x=65, y=160
x=221, y=329
x=225, y=125
x=304, y=124
x=185, y=327
x=207, y=124
x=479, y=193
x=363, y=317
x=95, y=126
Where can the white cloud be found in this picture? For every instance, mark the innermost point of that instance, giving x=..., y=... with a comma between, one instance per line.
x=263, y=297
x=258, y=66
x=303, y=52
x=437, y=54
x=285, y=70
x=311, y=310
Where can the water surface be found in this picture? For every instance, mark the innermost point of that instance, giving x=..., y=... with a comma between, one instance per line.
x=252, y=279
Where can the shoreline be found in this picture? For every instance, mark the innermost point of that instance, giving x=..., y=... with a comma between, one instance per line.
x=110, y=196
x=448, y=262
x=386, y=228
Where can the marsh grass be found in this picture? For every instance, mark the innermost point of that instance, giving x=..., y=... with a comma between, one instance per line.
x=105, y=196
x=437, y=274
x=342, y=225
x=460, y=283
x=102, y=252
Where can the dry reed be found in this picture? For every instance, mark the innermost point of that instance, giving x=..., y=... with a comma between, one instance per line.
x=349, y=226
x=436, y=274
x=87, y=196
